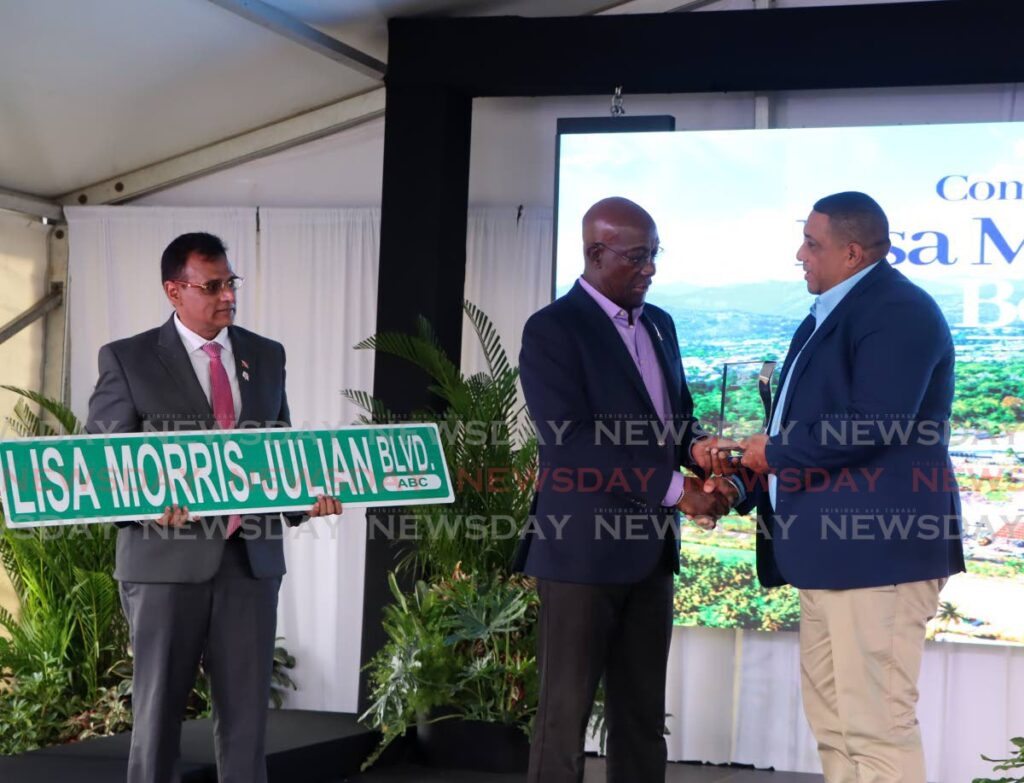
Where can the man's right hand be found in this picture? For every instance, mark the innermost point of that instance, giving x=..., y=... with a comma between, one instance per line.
x=704, y=508
x=174, y=516
x=715, y=455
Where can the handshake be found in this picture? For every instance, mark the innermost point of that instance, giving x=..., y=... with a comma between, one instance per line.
x=705, y=501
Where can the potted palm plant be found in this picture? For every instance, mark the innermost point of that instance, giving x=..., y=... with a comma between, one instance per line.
x=460, y=660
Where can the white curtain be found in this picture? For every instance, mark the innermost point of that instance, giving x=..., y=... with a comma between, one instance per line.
x=508, y=273
x=317, y=294
x=114, y=274
x=310, y=283
x=734, y=696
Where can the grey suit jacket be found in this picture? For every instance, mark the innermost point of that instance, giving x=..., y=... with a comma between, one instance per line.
x=147, y=383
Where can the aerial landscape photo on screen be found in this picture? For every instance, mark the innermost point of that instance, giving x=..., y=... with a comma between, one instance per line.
x=730, y=207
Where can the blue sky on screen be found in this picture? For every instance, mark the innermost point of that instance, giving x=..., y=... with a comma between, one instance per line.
x=729, y=204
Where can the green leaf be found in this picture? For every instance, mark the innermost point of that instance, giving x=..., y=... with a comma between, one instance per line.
x=494, y=352
x=65, y=417
x=377, y=410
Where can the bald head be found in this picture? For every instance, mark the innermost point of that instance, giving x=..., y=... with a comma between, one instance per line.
x=605, y=220
x=620, y=241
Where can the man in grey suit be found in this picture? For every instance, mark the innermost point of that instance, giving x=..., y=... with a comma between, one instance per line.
x=198, y=589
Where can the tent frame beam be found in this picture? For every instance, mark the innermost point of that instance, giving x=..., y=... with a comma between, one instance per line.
x=33, y=206
x=299, y=32
x=283, y=135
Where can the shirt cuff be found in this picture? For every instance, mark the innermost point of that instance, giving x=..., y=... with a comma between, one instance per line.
x=674, y=493
x=738, y=483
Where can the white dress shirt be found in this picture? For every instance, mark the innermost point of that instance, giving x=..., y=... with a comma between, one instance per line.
x=201, y=361
x=821, y=309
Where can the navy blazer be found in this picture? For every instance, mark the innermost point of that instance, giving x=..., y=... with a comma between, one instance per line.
x=605, y=457
x=866, y=493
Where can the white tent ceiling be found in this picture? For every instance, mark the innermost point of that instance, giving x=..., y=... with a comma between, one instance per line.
x=92, y=89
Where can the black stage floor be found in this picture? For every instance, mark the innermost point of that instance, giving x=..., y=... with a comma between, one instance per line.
x=309, y=747
x=301, y=746
x=677, y=773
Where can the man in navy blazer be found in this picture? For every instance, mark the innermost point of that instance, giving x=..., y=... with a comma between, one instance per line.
x=856, y=498
x=604, y=384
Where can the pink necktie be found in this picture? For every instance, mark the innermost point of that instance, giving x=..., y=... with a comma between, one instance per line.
x=223, y=405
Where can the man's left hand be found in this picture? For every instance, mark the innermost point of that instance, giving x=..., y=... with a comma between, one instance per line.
x=754, y=454
x=325, y=506
x=713, y=456
x=705, y=502
x=723, y=487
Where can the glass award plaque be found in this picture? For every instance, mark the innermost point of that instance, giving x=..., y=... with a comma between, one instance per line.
x=746, y=399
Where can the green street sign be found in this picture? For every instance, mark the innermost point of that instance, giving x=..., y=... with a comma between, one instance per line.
x=109, y=478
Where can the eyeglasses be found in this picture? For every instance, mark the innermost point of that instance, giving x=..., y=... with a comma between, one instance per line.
x=213, y=287
x=636, y=258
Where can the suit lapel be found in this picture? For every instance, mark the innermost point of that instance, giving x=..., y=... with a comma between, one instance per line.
x=801, y=363
x=244, y=371
x=669, y=370
x=173, y=356
x=608, y=340
x=799, y=338
x=848, y=304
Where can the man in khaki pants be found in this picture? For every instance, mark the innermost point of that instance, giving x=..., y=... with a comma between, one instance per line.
x=855, y=493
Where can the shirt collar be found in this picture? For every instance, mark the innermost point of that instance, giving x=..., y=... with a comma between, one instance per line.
x=611, y=309
x=194, y=342
x=828, y=301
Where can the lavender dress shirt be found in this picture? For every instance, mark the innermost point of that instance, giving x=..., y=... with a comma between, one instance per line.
x=638, y=342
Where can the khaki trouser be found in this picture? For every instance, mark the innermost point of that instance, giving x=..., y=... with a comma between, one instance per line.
x=860, y=656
